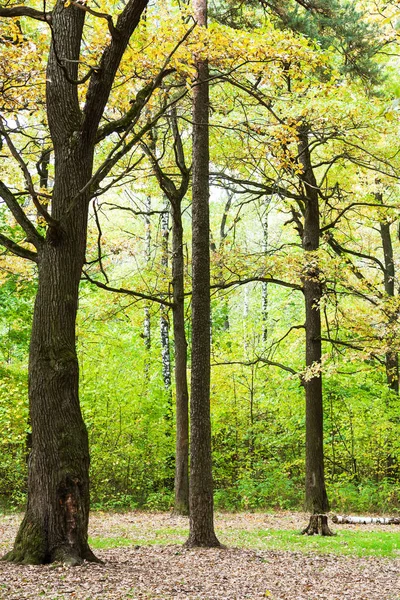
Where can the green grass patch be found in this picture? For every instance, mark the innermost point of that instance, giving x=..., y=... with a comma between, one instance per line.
x=345, y=542
x=354, y=543
x=157, y=537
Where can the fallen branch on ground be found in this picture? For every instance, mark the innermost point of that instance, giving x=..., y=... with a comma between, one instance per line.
x=346, y=519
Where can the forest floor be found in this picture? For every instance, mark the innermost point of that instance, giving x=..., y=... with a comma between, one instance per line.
x=265, y=558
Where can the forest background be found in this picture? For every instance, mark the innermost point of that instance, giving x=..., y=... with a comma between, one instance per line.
x=276, y=76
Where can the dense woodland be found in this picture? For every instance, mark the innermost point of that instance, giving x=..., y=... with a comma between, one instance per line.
x=289, y=114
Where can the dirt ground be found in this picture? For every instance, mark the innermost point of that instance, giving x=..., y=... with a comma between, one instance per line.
x=171, y=572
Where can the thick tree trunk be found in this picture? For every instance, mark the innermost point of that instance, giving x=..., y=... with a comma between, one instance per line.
x=181, y=504
x=316, y=499
x=201, y=483
x=56, y=520
x=318, y=525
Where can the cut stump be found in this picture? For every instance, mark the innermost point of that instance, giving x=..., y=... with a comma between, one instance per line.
x=318, y=525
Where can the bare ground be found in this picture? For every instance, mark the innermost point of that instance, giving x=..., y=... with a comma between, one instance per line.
x=171, y=572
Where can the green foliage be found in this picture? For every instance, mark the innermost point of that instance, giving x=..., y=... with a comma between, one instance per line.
x=16, y=301
x=130, y=435
x=14, y=429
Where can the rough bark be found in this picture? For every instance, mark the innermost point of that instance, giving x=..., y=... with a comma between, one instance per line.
x=56, y=520
x=201, y=484
x=316, y=499
x=318, y=525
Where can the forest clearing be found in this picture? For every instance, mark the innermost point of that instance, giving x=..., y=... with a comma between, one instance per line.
x=144, y=558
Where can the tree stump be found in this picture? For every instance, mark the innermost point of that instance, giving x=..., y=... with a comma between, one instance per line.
x=318, y=525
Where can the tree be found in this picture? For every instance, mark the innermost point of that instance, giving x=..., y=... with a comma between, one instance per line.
x=56, y=520
x=175, y=194
x=201, y=483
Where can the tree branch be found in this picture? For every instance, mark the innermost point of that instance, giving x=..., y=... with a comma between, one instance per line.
x=33, y=235
x=111, y=27
x=126, y=292
x=102, y=79
x=17, y=249
x=256, y=361
x=224, y=286
x=25, y=11
x=28, y=180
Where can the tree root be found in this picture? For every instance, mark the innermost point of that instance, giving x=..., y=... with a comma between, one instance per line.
x=209, y=542
x=318, y=525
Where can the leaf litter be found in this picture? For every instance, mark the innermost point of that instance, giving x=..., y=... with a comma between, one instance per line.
x=172, y=572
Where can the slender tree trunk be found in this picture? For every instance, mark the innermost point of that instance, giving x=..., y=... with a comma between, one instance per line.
x=201, y=483
x=175, y=195
x=164, y=323
x=316, y=499
x=391, y=359
x=264, y=298
x=147, y=317
x=181, y=504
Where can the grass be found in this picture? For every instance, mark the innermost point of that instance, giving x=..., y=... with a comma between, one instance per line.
x=350, y=543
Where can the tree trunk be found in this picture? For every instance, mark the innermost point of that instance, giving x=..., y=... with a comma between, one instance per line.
x=164, y=323
x=56, y=520
x=264, y=299
x=181, y=504
x=147, y=318
x=318, y=525
x=391, y=358
x=201, y=484
x=55, y=525
x=316, y=499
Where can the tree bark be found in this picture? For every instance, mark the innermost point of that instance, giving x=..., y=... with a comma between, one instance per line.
x=318, y=525
x=201, y=484
x=316, y=499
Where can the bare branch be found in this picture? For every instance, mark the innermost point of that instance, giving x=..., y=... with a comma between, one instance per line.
x=28, y=180
x=224, y=286
x=112, y=29
x=126, y=292
x=17, y=249
x=33, y=235
x=24, y=11
x=256, y=361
